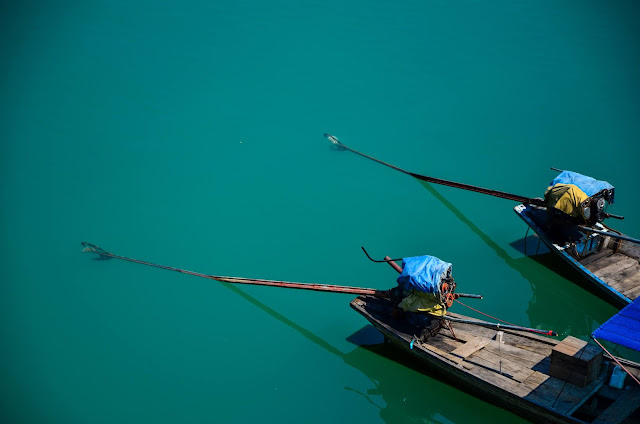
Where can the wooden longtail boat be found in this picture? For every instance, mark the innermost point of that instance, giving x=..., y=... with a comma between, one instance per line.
x=610, y=264
x=607, y=259
x=539, y=378
x=515, y=374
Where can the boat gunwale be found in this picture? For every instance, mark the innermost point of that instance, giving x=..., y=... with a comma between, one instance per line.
x=614, y=296
x=463, y=378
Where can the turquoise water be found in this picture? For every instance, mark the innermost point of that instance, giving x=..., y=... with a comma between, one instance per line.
x=191, y=135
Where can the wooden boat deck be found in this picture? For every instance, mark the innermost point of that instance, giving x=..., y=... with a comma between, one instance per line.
x=613, y=267
x=620, y=272
x=513, y=374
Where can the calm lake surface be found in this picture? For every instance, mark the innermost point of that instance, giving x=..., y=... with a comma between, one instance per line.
x=191, y=135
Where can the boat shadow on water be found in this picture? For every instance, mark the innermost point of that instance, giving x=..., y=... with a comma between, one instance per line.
x=541, y=379
x=402, y=393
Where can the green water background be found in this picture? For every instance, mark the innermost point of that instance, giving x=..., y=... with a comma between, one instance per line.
x=190, y=134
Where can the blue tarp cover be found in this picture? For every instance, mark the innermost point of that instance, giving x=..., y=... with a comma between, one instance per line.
x=623, y=328
x=423, y=273
x=589, y=185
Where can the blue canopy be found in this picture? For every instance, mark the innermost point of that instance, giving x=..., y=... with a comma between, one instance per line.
x=589, y=185
x=623, y=328
x=423, y=273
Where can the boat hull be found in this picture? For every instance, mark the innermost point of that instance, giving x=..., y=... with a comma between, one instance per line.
x=528, y=394
x=612, y=273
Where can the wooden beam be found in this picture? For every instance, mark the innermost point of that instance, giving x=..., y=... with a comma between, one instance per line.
x=470, y=347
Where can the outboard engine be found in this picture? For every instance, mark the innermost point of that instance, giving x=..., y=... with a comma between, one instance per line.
x=581, y=198
x=594, y=208
x=428, y=284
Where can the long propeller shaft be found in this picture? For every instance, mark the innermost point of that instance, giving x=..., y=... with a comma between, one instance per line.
x=88, y=247
x=610, y=234
x=496, y=193
x=498, y=326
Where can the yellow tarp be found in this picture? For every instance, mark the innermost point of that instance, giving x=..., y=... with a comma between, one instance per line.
x=567, y=198
x=423, y=302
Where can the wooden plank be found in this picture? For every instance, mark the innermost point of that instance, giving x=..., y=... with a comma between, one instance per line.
x=525, y=357
x=629, y=280
x=544, y=390
x=490, y=368
x=633, y=293
x=495, y=362
x=440, y=352
x=606, y=261
x=630, y=249
x=543, y=366
x=615, y=269
x=574, y=350
x=603, y=261
x=575, y=361
x=444, y=343
x=489, y=332
x=586, y=397
x=566, y=347
x=574, y=342
x=498, y=380
x=525, y=341
x=535, y=380
x=465, y=335
x=564, y=374
x=560, y=396
x=626, y=281
x=620, y=410
x=470, y=347
x=572, y=395
x=596, y=256
x=628, y=272
x=531, y=339
x=525, y=351
x=544, y=350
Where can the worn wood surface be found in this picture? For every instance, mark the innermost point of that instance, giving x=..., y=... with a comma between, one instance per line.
x=634, y=292
x=596, y=389
x=515, y=373
x=596, y=257
x=615, y=269
x=630, y=249
x=626, y=404
x=501, y=365
x=575, y=361
x=470, y=347
x=628, y=279
x=513, y=348
x=628, y=282
x=621, y=270
x=606, y=261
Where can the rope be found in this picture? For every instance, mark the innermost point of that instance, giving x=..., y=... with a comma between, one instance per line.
x=487, y=315
x=450, y=327
x=546, y=333
x=614, y=358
